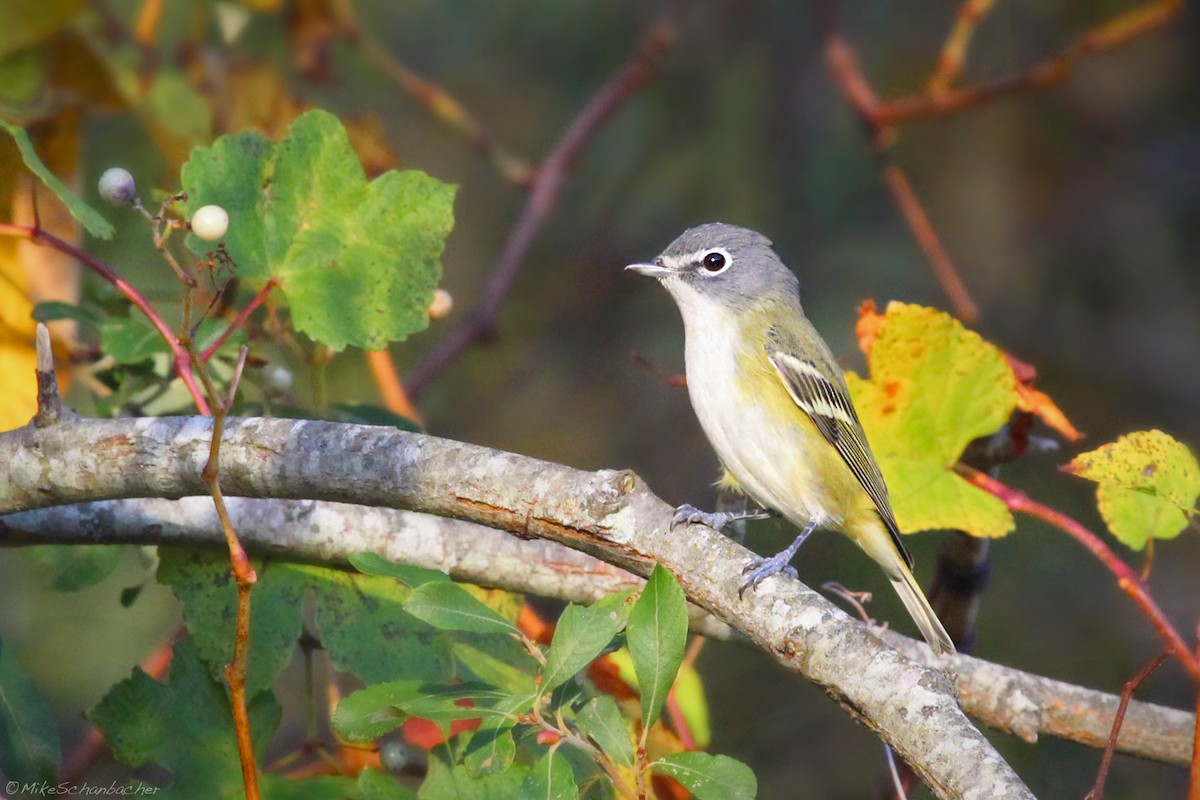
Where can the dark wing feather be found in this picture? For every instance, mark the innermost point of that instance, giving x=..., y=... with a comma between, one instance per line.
x=830, y=409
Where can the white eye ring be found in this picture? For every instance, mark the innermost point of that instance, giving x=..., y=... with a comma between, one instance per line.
x=714, y=261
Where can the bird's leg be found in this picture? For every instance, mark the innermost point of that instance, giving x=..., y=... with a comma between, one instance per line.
x=735, y=504
x=688, y=514
x=762, y=568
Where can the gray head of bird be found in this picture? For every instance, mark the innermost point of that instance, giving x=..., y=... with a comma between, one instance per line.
x=724, y=264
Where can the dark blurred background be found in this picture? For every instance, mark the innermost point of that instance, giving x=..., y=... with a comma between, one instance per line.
x=1072, y=215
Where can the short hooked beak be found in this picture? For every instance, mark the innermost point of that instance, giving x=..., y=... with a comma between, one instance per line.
x=651, y=270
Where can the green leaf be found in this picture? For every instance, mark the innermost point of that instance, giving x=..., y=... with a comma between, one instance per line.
x=363, y=624
x=579, y=637
x=444, y=704
x=445, y=779
x=87, y=216
x=410, y=576
x=602, y=720
x=29, y=748
x=320, y=787
x=360, y=619
x=935, y=386
x=51, y=310
x=131, y=340
x=550, y=778
x=709, y=777
x=371, y=712
x=450, y=607
x=357, y=261
x=202, y=580
x=503, y=663
x=76, y=567
x=376, y=785
x=491, y=749
x=1148, y=485
x=657, y=633
x=185, y=726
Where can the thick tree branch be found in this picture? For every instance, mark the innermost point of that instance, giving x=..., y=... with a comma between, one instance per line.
x=610, y=514
x=1030, y=706
x=329, y=533
x=1001, y=697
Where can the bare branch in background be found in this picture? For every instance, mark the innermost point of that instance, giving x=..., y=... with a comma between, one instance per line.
x=880, y=117
x=548, y=181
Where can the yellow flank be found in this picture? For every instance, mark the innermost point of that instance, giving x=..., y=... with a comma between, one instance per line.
x=727, y=483
x=809, y=477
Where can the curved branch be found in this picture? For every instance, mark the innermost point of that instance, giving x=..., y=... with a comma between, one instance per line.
x=1000, y=697
x=610, y=514
x=329, y=533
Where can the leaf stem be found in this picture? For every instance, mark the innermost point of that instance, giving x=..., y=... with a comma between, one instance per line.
x=391, y=388
x=243, y=572
x=1127, y=691
x=1194, y=774
x=239, y=320
x=1128, y=579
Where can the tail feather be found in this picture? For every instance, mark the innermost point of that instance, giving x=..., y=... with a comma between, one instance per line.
x=921, y=612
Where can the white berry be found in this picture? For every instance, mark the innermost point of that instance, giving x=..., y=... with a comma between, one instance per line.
x=210, y=222
x=394, y=756
x=441, y=305
x=278, y=377
x=117, y=186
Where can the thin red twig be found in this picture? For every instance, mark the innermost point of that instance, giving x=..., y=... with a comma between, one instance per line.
x=179, y=354
x=239, y=320
x=1194, y=772
x=1128, y=579
x=1127, y=691
x=544, y=190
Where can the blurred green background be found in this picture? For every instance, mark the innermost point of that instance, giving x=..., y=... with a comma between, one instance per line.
x=1073, y=216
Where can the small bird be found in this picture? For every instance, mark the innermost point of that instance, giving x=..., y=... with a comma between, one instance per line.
x=775, y=407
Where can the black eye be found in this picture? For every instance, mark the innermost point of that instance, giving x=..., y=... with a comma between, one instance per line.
x=714, y=262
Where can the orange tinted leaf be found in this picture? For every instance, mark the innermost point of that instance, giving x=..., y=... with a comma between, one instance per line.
x=1033, y=401
x=1039, y=404
x=934, y=387
x=868, y=325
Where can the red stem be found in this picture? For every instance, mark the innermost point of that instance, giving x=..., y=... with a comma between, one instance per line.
x=239, y=320
x=1129, y=580
x=1194, y=772
x=183, y=364
x=1110, y=749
